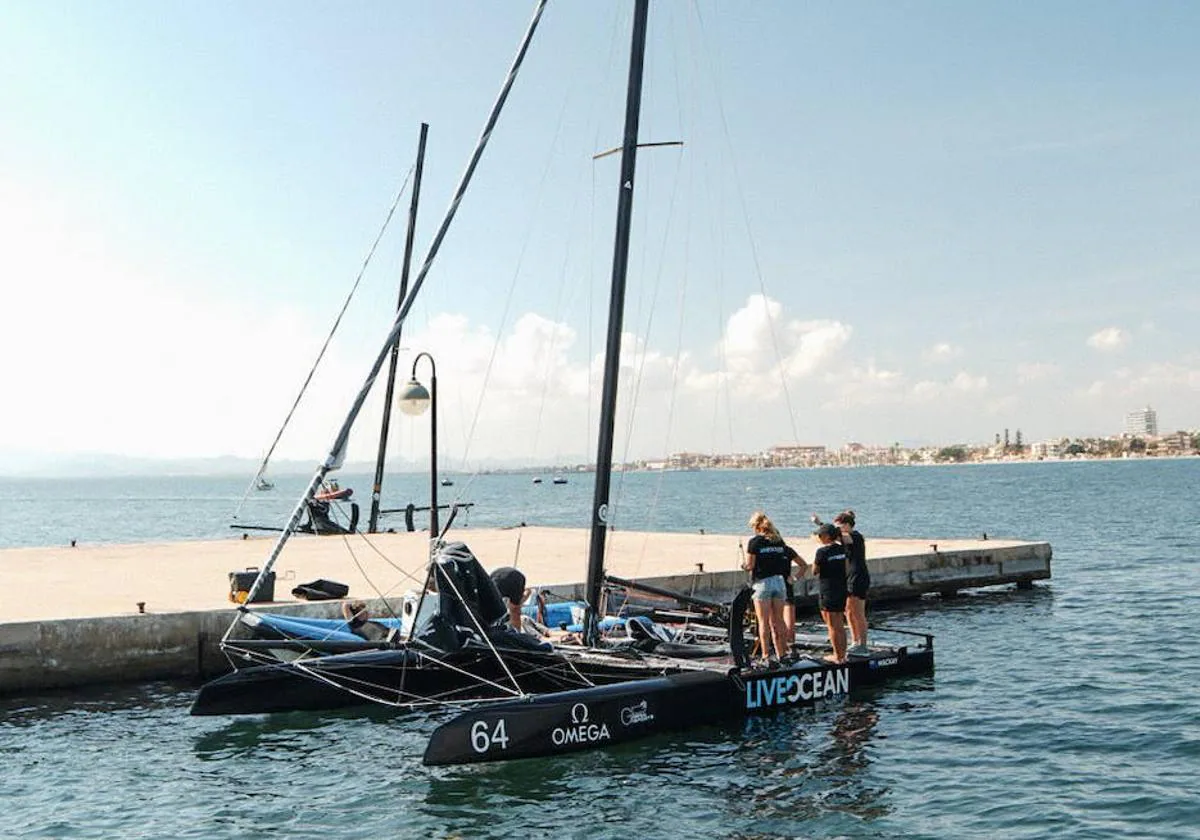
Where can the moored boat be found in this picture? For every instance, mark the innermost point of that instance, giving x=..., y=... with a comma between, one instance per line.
x=597, y=717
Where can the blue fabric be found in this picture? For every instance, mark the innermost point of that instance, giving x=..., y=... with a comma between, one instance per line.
x=606, y=624
x=303, y=627
x=557, y=614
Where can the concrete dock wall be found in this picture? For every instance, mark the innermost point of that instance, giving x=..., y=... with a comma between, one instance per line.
x=893, y=578
x=78, y=621
x=72, y=652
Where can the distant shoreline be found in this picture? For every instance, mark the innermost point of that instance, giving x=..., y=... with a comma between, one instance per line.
x=579, y=470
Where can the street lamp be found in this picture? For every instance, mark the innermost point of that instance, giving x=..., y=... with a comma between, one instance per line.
x=413, y=400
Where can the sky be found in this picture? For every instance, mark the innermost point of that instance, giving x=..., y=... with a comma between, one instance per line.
x=904, y=222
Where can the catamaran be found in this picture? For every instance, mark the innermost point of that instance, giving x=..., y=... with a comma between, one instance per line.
x=529, y=696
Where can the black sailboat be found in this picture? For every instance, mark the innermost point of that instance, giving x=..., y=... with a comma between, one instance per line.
x=717, y=689
x=453, y=650
x=541, y=698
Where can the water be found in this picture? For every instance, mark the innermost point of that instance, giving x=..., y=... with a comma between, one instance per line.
x=1069, y=710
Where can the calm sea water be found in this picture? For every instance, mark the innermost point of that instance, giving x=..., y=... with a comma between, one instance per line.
x=1072, y=710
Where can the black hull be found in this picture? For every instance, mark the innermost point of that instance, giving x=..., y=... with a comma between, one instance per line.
x=599, y=717
x=405, y=678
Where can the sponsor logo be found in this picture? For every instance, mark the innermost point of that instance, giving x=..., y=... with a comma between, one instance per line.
x=581, y=730
x=636, y=714
x=885, y=663
x=789, y=689
x=579, y=734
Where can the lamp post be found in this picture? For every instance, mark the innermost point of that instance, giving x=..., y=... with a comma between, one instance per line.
x=413, y=401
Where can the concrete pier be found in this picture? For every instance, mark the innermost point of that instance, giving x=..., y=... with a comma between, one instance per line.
x=101, y=614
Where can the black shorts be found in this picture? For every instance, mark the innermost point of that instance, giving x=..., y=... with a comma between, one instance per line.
x=859, y=587
x=835, y=602
x=832, y=596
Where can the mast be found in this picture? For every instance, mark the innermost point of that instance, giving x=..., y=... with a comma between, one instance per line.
x=373, y=521
x=337, y=452
x=616, y=312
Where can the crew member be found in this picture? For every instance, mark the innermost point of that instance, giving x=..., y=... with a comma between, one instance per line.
x=769, y=560
x=858, y=581
x=830, y=565
x=511, y=584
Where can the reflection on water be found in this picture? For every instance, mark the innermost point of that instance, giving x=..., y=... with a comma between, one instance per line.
x=845, y=758
x=299, y=732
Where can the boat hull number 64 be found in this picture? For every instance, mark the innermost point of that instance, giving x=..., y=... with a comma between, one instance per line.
x=482, y=740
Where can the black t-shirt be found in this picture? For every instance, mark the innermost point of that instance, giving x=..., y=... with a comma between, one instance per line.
x=830, y=563
x=510, y=582
x=857, y=551
x=770, y=558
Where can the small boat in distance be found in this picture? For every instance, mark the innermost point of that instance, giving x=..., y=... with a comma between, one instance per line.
x=447, y=482
x=264, y=483
x=560, y=479
x=537, y=479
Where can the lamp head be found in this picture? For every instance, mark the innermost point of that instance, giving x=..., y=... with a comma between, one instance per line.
x=413, y=398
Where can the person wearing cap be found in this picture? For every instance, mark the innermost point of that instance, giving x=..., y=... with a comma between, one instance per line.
x=858, y=581
x=830, y=568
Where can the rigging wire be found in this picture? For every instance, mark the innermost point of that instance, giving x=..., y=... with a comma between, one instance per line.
x=750, y=239
x=262, y=468
x=654, y=289
x=337, y=452
x=508, y=299
x=607, y=69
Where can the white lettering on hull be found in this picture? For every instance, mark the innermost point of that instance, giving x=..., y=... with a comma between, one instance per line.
x=579, y=734
x=790, y=689
x=581, y=730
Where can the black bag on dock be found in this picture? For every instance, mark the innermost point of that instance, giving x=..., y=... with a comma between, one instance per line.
x=321, y=590
x=240, y=583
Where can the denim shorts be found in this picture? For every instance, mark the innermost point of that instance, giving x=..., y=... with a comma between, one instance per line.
x=770, y=589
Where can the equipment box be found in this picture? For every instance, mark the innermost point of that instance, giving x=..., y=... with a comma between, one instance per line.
x=240, y=583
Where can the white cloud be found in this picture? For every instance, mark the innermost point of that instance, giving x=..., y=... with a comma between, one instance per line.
x=1035, y=371
x=1003, y=406
x=1108, y=339
x=968, y=383
x=761, y=349
x=1168, y=375
x=941, y=352
x=925, y=391
x=863, y=385
x=963, y=383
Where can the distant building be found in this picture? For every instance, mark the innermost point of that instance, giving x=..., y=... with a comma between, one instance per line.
x=1176, y=443
x=794, y=456
x=1142, y=423
x=1048, y=448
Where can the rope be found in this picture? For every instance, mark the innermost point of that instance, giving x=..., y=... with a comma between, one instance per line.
x=487, y=374
x=262, y=468
x=762, y=286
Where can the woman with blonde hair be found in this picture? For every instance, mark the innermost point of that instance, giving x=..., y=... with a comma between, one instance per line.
x=769, y=561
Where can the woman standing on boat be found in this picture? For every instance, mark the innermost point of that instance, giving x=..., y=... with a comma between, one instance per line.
x=769, y=561
x=830, y=566
x=858, y=581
